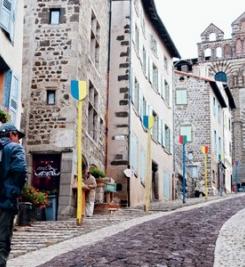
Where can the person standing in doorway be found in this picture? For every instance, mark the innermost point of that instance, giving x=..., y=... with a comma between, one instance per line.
x=91, y=185
x=12, y=179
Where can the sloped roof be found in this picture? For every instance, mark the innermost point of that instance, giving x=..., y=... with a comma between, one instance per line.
x=242, y=16
x=213, y=27
x=150, y=10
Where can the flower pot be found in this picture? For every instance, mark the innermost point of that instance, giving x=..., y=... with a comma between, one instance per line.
x=25, y=214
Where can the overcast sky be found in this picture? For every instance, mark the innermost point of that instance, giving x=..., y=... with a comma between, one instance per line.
x=186, y=20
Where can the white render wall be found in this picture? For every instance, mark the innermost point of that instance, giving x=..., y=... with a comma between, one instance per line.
x=12, y=52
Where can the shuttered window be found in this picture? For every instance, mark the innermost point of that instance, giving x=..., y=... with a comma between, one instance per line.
x=7, y=16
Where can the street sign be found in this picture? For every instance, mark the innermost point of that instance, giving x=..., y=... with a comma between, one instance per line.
x=182, y=139
x=78, y=89
x=204, y=149
x=148, y=121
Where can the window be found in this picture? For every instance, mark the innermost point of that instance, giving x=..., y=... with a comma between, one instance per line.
x=134, y=152
x=186, y=130
x=220, y=76
x=155, y=127
x=153, y=45
x=165, y=60
x=136, y=94
x=51, y=97
x=167, y=137
x=137, y=38
x=181, y=96
x=95, y=40
x=93, y=118
x=7, y=17
x=144, y=61
x=214, y=107
x=54, y=16
x=155, y=76
x=166, y=87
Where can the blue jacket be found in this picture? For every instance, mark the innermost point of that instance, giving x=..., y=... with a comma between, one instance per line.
x=13, y=173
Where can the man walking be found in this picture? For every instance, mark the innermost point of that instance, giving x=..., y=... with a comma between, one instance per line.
x=12, y=180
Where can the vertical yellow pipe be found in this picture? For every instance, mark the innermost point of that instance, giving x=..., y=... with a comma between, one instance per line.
x=148, y=174
x=206, y=175
x=79, y=162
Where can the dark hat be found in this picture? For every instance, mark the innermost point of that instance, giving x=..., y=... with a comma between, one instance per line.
x=9, y=127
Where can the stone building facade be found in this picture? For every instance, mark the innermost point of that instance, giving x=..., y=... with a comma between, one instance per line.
x=202, y=112
x=140, y=84
x=11, y=39
x=63, y=41
x=225, y=60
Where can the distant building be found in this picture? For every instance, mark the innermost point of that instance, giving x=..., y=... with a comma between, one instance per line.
x=140, y=84
x=11, y=41
x=202, y=112
x=225, y=61
x=63, y=41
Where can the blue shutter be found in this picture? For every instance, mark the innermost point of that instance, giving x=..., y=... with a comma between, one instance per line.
x=14, y=97
x=5, y=13
x=7, y=88
x=12, y=20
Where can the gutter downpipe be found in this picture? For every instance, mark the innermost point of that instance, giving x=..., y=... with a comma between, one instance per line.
x=107, y=89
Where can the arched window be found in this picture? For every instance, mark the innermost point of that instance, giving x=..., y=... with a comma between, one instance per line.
x=219, y=52
x=212, y=36
x=220, y=76
x=207, y=52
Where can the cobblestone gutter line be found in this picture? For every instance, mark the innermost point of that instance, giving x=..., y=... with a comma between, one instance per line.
x=230, y=245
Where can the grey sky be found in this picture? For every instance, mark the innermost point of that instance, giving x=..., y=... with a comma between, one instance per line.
x=186, y=20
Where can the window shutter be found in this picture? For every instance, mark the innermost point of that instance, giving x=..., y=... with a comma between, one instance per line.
x=171, y=141
x=163, y=134
x=7, y=88
x=159, y=130
x=14, y=97
x=141, y=104
x=12, y=20
x=5, y=13
x=133, y=89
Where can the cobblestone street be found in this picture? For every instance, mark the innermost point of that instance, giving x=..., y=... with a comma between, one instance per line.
x=184, y=238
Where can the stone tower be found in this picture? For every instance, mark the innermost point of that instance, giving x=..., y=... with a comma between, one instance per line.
x=63, y=41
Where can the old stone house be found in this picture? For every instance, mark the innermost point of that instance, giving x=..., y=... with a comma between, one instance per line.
x=11, y=38
x=202, y=112
x=63, y=41
x=225, y=61
x=140, y=84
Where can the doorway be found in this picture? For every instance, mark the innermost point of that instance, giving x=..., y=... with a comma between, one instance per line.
x=46, y=178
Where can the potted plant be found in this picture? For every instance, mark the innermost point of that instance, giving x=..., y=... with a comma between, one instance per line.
x=36, y=199
x=4, y=116
x=99, y=175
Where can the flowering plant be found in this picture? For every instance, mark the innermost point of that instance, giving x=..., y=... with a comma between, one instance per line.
x=4, y=116
x=33, y=195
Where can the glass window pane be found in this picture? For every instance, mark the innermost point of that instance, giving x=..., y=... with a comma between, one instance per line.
x=55, y=17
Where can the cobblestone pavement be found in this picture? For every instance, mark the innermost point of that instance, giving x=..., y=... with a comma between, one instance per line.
x=185, y=238
x=42, y=234
x=230, y=245
x=45, y=233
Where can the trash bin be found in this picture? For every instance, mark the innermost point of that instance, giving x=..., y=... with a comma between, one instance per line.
x=51, y=208
x=25, y=214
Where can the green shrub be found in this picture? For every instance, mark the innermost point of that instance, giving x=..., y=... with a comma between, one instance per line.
x=96, y=172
